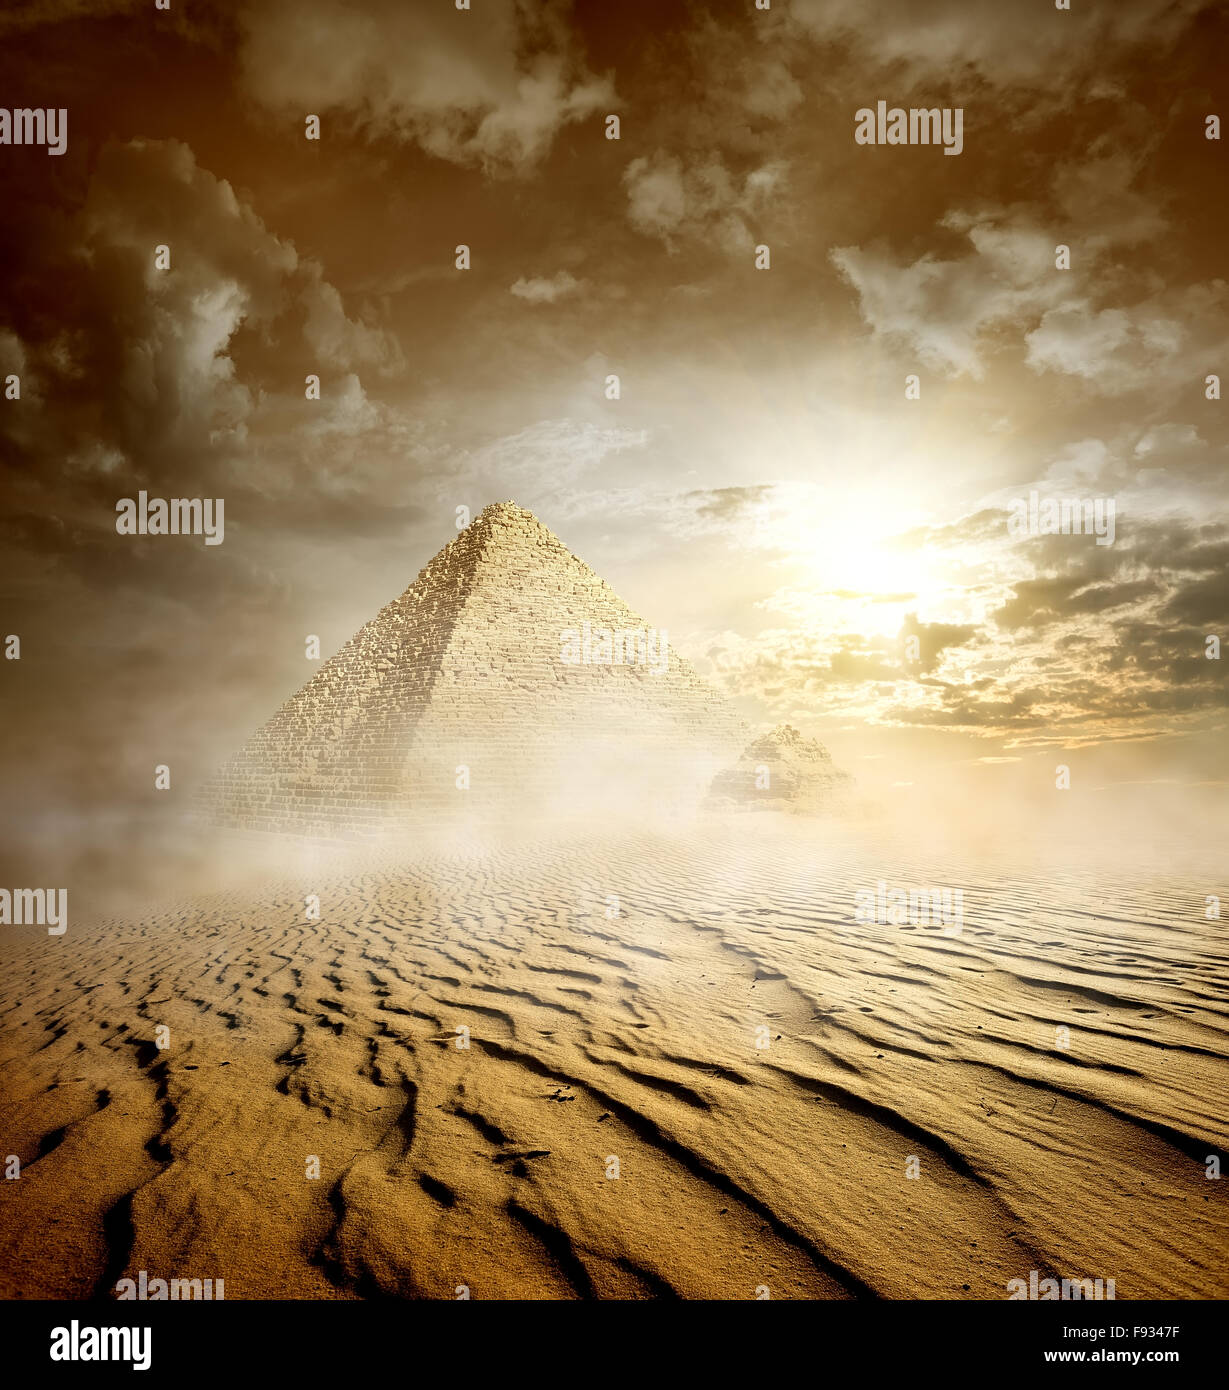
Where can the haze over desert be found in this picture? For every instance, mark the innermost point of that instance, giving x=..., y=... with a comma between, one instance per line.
x=609, y=1012
x=613, y=630
x=467, y=1041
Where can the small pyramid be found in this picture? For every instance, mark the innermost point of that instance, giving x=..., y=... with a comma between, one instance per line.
x=782, y=771
x=486, y=692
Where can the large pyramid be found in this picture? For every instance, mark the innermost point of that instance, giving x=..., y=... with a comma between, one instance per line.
x=484, y=694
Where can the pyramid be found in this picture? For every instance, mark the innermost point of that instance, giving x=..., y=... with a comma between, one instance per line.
x=782, y=770
x=481, y=694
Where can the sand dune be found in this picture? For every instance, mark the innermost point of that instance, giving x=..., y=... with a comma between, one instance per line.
x=626, y=1029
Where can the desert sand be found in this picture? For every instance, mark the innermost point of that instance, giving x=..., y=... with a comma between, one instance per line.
x=614, y=989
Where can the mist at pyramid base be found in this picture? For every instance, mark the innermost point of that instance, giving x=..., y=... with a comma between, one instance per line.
x=492, y=974
x=508, y=686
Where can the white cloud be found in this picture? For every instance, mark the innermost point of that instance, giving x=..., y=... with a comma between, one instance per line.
x=1079, y=464
x=1163, y=441
x=701, y=200
x=950, y=311
x=491, y=87
x=1078, y=340
x=545, y=291
x=941, y=308
x=201, y=365
x=1157, y=342
x=1020, y=43
x=341, y=341
x=550, y=452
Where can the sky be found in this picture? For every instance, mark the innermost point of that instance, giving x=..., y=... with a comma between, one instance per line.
x=829, y=550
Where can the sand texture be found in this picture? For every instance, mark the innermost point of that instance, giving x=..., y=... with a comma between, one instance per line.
x=625, y=1029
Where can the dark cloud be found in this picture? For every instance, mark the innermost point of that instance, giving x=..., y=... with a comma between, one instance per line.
x=748, y=396
x=1173, y=569
x=727, y=504
x=936, y=638
x=166, y=378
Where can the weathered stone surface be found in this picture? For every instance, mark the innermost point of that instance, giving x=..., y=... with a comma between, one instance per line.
x=464, y=669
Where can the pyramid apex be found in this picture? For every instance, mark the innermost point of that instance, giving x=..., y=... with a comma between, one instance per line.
x=506, y=519
x=470, y=664
x=507, y=508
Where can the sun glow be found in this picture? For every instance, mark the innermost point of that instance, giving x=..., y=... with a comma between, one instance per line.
x=856, y=562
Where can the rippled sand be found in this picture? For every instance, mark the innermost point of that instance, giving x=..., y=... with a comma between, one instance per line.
x=614, y=991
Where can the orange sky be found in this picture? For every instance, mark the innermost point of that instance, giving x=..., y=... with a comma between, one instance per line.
x=762, y=489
